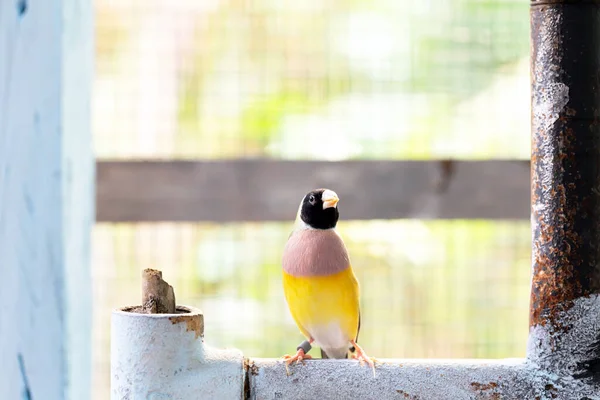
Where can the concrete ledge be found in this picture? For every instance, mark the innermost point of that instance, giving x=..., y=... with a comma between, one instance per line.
x=412, y=379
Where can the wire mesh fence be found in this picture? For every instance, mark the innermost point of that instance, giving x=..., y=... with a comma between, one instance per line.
x=429, y=289
x=327, y=80
x=313, y=79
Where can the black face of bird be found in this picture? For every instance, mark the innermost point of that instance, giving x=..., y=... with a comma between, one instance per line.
x=319, y=209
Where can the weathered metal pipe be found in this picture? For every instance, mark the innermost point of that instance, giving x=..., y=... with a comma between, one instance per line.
x=411, y=379
x=163, y=356
x=565, y=186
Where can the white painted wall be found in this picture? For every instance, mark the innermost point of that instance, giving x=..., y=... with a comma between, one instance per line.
x=46, y=198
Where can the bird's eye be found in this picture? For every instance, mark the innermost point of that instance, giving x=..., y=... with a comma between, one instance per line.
x=312, y=200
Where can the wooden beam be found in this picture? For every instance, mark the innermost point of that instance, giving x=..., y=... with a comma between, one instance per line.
x=270, y=190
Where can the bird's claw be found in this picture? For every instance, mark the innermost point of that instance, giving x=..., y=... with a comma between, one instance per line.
x=299, y=357
x=363, y=358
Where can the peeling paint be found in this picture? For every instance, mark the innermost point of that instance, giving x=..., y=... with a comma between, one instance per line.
x=195, y=325
x=566, y=351
x=194, y=322
x=549, y=102
x=250, y=367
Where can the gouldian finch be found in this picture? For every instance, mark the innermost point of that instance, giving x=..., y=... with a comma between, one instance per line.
x=320, y=287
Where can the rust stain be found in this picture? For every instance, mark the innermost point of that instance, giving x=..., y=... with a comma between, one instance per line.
x=483, y=389
x=250, y=367
x=550, y=388
x=565, y=160
x=407, y=395
x=193, y=324
x=484, y=386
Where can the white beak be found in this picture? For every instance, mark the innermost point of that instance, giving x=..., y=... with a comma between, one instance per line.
x=330, y=199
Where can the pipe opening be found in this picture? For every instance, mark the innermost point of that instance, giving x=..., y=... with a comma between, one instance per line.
x=140, y=310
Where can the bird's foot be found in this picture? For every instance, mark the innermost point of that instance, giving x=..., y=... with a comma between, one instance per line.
x=299, y=357
x=362, y=357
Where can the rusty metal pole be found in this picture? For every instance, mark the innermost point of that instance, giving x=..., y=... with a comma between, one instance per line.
x=565, y=187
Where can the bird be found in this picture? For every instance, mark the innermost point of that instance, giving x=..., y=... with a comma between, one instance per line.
x=320, y=287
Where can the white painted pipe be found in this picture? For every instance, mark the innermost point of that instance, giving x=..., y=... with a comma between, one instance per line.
x=163, y=356
x=396, y=379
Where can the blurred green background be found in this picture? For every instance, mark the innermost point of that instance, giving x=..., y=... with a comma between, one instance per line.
x=318, y=80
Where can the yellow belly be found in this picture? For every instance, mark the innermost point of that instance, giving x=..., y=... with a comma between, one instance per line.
x=324, y=305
